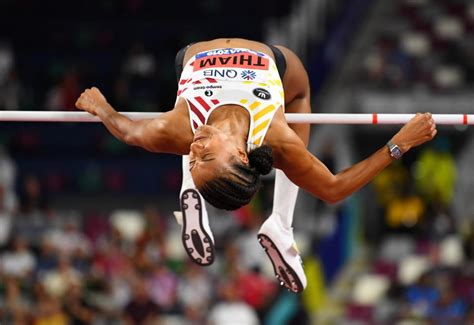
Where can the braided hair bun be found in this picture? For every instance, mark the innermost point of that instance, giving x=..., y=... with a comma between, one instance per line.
x=261, y=159
x=230, y=191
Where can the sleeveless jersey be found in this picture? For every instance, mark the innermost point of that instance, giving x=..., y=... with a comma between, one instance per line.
x=237, y=76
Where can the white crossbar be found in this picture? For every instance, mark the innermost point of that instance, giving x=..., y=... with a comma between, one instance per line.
x=58, y=116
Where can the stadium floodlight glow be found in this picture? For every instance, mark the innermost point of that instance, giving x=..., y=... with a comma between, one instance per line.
x=319, y=118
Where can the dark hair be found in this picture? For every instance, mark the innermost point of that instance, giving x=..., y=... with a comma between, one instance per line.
x=238, y=186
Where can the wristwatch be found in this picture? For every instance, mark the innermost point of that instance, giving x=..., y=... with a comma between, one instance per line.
x=394, y=150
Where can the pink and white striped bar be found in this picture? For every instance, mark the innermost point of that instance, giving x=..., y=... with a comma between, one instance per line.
x=319, y=118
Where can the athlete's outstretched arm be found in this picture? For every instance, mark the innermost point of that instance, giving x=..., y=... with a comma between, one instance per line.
x=311, y=174
x=147, y=133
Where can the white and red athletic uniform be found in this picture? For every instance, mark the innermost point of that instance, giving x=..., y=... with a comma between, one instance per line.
x=243, y=77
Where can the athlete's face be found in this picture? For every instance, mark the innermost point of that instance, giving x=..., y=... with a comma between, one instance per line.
x=211, y=153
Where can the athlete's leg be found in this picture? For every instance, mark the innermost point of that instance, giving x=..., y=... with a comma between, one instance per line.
x=276, y=233
x=196, y=234
x=286, y=193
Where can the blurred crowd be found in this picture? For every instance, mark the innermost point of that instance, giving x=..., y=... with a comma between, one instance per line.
x=419, y=212
x=135, y=86
x=421, y=264
x=125, y=47
x=424, y=45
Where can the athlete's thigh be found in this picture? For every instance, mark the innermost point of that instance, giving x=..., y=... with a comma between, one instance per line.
x=297, y=91
x=302, y=130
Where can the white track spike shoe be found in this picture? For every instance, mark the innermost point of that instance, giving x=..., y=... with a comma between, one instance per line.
x=196, y=234
x=281, y=248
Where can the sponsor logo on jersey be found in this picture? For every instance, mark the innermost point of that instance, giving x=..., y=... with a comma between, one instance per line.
x=248, y=75
x=223, y=73
x=262, y=93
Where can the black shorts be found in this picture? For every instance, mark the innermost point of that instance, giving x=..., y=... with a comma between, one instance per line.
x=280, y=60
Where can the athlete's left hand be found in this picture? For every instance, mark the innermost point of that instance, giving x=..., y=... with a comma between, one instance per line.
x=418, y=130
x=91, y=100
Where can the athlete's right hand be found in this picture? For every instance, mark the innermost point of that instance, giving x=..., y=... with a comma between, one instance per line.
x=91, y=100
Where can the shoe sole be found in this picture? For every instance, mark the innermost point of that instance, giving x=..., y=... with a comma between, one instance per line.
x=283, y=271
x=196, y=241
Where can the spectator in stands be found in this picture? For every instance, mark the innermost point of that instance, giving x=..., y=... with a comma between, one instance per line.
x=448, y=308
x=436, y=173
x=441, y=223
x=79, y=311
x=32, y=196
x=69, y=241
x=138, y=85
x=162, y=286
x=406, y=209
x=48, y=309
x=121, y=93
x=422, y=296
x=7, y=61
x=390, y=182
x=47, y=257
x=463, y=203
x=6, y=221
x=139, y=62
x=8, y=199
x=469, y=244
x=140, y=310
x=195, y=290
x=15, y=307
x=250, y=256
x=19, y=262
x=231, y=310
x=60, y=280
x=63, y=95
x=110, y=261
x=10, y=93
x=150, y=248
x=35, y=218
x=255, y=289
x=9, y=85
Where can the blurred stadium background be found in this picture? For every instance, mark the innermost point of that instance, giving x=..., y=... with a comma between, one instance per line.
x=87, y=234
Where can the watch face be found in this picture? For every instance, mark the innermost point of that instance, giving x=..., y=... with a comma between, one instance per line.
x=396, y=153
